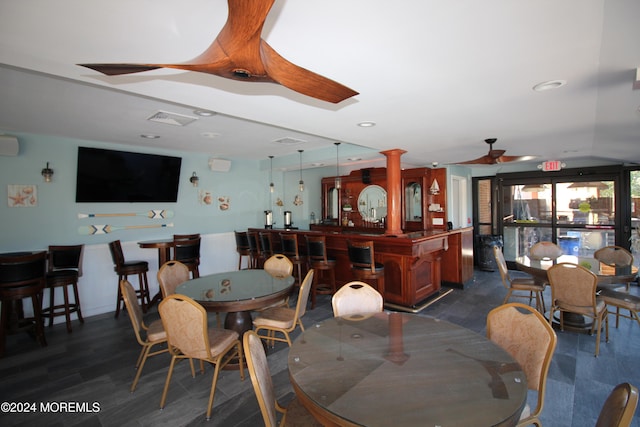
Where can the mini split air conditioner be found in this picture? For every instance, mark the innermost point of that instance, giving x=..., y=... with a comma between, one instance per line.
x=8, y=145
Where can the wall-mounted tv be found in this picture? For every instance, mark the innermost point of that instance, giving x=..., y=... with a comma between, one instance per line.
x=120, y=176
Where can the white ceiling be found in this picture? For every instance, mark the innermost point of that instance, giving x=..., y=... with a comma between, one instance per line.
x=437, y=77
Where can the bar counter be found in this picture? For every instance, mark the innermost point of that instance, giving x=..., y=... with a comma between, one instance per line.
x=416, y=263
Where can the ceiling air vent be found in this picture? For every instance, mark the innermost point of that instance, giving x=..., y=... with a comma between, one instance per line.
x=289, y=141
x=171, y=118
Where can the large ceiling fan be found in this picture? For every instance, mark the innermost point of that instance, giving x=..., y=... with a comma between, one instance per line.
x=239, y=53
x=494, y=156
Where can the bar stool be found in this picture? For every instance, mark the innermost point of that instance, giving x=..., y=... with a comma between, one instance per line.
x=290, y=250
x=243, y=248
x=266, y=245
x=318, y=260
x=64, y=270
x=363, y=265
x=254, y=247
x=22, y=275
x=127, y=268
x=186, y=249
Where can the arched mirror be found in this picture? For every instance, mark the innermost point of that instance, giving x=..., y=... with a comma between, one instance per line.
x=372, y=203
x=413, y=202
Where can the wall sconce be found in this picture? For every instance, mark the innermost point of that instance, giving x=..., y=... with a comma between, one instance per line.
x=338, y=183
x=47, y=173
x=194, y=179
x=301, y=182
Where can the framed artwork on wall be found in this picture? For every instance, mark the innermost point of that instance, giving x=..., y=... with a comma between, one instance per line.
x=22, y=196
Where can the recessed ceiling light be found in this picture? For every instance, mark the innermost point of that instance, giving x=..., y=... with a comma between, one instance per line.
x=204, y=113
x=210, y=135
x=354, y=159
x=149, y=136
x=551, y=84
x=317, y=164
x=367, y=124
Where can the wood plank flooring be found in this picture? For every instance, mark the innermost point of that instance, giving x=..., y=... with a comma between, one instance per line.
x=96, y=362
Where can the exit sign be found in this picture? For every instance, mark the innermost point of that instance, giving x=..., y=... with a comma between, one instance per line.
x=551, y=165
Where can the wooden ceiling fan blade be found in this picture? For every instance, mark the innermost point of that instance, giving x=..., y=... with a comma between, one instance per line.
x=484, y=160
x=494, y=154
x=507, y=159
x=119, y=69
x=302, y=80
x=239, y=53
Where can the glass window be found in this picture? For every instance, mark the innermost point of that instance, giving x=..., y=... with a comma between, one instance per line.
x=588, y=203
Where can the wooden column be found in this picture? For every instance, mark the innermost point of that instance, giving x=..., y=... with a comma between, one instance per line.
x=394, y=191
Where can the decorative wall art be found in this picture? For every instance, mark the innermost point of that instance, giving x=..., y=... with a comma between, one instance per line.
x=204, y=197
x=106, y=229
x=152, y=214
x=297, y=201
x=22, y=196
x=224, y=203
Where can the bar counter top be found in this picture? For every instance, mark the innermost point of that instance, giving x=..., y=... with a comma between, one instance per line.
x=416, y=263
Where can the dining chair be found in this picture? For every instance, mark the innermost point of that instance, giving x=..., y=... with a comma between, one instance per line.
x=64, y=268
x=325, y=266
x=294, y=414
x=284, y=319
x=278, y=265
x=170, y=275
x=573, y=290
x=363, y=263
x=621, y=301
x=189, y=337
x=124, y=269
x=186, y=249
x=619, y=408
x=147, y=336
x=355, y=298
x=243, y=248
x=291, y=250
x=545, y=250
x=22, y=275
x=611, y=258
x=526, y=335
x=517, y=285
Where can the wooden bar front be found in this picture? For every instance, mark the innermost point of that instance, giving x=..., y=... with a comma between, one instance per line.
x=412, y=261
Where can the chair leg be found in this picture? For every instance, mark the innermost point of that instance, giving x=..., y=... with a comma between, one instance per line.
x=140, y=365
x=67, y=313
x=77, y=299
x=167, y=382
x=51, y=304
x=119, y=299
x=212, y=393
x=36, y=301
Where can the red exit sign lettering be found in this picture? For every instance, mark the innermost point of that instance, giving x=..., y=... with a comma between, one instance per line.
x=551, y=165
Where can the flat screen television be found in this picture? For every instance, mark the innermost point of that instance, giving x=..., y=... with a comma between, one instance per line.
x=119, y=176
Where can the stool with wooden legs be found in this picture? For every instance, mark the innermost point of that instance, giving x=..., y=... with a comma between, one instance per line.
x=323, y=265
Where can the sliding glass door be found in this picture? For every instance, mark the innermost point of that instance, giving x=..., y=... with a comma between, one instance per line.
x=578, y=215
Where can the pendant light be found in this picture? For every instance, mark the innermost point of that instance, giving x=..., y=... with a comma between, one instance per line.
x=338, y=183
x=271, y=186
x=301, y=182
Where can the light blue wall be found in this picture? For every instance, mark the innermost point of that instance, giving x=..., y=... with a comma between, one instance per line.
x=55, y=218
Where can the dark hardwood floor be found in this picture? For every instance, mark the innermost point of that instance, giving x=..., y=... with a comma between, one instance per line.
x=95, y=363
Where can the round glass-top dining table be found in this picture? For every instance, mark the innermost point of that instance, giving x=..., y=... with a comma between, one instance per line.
x=237, y=293
x=606, y=274
x=402, y=369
